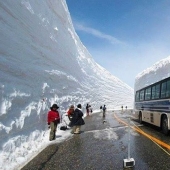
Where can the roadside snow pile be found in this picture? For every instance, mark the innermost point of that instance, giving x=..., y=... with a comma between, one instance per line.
x=159, y=71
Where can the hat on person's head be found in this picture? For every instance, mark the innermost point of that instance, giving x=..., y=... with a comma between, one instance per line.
x=79, y=106
x=54, y=106
x=72, y=107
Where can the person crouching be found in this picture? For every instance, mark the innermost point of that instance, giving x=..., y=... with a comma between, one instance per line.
x=53, y=120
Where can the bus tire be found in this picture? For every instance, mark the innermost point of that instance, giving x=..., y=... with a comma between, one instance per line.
x=164, y=126
x=140, y=118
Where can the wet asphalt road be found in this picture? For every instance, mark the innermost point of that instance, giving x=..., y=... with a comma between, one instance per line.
x=103, y=146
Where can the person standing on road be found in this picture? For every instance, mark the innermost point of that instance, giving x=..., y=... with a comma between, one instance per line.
x=53, y=119
x=87, y=109
x=70, y=112
x=77, y=120
x=104, y=110
x=101, y=109
x=90, y=110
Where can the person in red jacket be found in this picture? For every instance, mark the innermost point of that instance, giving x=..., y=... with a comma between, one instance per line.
x=53, y=119
x=70, y=112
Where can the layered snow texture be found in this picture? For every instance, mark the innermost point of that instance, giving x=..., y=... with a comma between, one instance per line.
x=42, y=61
x=155, y=73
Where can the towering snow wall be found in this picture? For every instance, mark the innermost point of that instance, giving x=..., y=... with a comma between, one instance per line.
x=159, y=71
x=42, y=61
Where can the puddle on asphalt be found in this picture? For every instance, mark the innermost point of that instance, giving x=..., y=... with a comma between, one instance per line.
x=105, y=134
x=132, y=132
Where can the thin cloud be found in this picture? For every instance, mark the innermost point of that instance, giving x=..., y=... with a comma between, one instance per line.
x=97, y=33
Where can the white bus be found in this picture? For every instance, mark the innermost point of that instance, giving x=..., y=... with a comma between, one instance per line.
x=152, y=104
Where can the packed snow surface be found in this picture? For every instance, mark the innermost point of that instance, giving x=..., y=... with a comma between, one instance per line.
x=153, y=74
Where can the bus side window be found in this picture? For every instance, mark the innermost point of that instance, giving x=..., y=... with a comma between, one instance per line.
x=137, y=96
x=155, y=91
x=141, y=95
x=148, y=93
x=168, y=89
x=163, y=90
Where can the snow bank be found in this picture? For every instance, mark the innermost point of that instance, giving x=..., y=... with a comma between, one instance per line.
x=157, y=72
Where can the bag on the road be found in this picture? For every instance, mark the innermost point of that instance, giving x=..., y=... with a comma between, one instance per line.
x=63, y=128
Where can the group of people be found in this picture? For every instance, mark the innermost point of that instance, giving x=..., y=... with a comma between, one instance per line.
x=103, y=109
x=75, y=116
x=88, y=109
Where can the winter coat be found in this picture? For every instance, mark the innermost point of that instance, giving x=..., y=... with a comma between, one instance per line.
x=87, y=108
x=70, y=113
x=53, y=116
x=77, y=118
x=104, y=108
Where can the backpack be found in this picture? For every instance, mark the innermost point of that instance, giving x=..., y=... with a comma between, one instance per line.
x=63, y=128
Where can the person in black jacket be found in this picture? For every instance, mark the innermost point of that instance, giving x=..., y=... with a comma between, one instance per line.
x=77, y=120
x=87, y=109
x=104, y=110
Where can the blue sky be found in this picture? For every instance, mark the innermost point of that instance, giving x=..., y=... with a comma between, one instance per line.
x=123, y=36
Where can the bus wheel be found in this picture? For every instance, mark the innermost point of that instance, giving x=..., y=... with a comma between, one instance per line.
x=165, y=125
x=140, y=118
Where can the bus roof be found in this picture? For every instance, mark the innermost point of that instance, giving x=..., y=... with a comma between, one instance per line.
x=157, y=72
